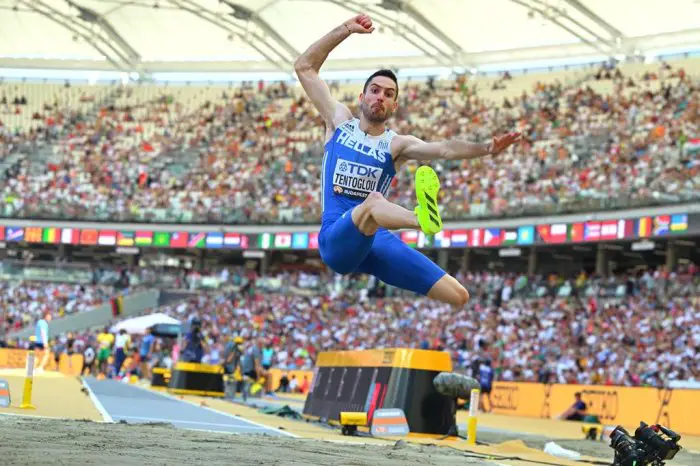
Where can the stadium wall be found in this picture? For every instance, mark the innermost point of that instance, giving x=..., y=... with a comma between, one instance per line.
x=17, y=359
x=678, y=409
x=99, y=316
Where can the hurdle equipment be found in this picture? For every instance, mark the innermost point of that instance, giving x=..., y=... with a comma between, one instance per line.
x=28, y=383
x=365, y=381
x=471, y=421
x=5, y=399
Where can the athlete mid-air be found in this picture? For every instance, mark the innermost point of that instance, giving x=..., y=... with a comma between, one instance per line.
x=360, y=160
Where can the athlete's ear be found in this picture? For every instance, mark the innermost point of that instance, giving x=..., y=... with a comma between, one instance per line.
x=361, y=97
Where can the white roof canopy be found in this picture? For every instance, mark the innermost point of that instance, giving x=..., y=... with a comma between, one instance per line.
x=267, y=35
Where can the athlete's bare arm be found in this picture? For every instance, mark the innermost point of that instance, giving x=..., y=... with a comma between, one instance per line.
x=309, y=63
x=408, y=147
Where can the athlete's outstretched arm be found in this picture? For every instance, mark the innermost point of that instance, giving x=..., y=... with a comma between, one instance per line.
x=309, y=63
x=412, y=148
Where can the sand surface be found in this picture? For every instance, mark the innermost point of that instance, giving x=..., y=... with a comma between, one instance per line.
x=29, y=441
x=32, y=441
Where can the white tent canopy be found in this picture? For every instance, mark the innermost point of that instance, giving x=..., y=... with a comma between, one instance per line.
x=138, y=325
x=267, y=35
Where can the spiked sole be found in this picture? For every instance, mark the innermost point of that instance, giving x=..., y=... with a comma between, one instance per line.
x=427, y=189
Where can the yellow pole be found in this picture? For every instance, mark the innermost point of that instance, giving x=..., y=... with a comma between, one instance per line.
x=28, y=383
x=471, y=421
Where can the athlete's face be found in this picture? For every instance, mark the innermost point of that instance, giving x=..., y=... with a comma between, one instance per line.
x=379, y=102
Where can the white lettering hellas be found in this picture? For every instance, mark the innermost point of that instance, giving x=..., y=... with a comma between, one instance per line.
x=346, y=140
x=342, y=137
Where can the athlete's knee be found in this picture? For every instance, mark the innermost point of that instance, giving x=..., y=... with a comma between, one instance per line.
x=458, y=296
x=462, y=296
x=373, y=201
x=374, y=197
x=362, y=214
x=450, y=291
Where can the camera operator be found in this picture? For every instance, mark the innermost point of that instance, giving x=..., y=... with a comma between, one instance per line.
x=193, y=344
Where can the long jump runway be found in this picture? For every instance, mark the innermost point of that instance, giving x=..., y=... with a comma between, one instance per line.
x=118, y=401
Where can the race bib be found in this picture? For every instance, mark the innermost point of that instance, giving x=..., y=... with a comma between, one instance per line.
x=355, y=179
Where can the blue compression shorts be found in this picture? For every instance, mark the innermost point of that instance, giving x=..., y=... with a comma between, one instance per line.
x=345, y=250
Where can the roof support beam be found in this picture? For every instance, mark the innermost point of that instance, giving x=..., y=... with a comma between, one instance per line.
x=417, y=16
x=264, y=26
x=547, y=11
x=421, y=43
x=602, y=44
x=92, y=17
x=280, y=60
x=583, y=9
x=97, y=39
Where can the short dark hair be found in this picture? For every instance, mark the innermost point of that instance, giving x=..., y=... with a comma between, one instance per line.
x=387, y=74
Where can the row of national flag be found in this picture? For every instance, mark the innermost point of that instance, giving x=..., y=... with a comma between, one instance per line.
x=549, y=233
x=554, y=233
x=94, y=237
x=301, y=240
x=609, y=230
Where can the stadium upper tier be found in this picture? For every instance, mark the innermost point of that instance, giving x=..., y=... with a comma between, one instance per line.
x=594, y=140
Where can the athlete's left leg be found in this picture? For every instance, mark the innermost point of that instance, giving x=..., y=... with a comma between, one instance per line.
x=396, y=264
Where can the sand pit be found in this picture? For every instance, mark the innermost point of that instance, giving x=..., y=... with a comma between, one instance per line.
x=42, y=440
x=29, y=441
x=506, y=435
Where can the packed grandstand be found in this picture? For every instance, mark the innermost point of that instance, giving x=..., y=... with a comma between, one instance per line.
x=595, y=139
x=618, y=330
x=611, y=137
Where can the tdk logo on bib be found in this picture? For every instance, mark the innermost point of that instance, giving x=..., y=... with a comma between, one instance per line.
x=355, y=179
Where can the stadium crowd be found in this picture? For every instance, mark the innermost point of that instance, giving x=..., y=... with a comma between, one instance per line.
x=256, y=151
x=252, y=154
x=22, y=303
x=641, y=329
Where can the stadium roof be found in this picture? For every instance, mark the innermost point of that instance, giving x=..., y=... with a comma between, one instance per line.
x=266, y=35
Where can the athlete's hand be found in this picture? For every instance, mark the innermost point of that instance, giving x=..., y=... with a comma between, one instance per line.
x=360, y=24
x=501, y=143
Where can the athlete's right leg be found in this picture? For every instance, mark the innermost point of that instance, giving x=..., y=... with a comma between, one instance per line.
x=376, y=212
